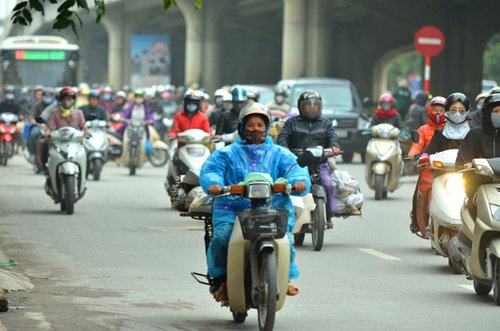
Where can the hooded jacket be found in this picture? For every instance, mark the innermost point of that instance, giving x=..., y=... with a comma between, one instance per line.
x=417, y=115
x=480, y=142
x=425, y=133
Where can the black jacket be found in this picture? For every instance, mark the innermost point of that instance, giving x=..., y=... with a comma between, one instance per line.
x=228, y=122
x=98, y=111
x=480, y=142
x=300, y=133
x=440, y=143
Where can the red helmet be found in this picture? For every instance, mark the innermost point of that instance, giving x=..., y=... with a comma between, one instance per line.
x=387, y=97
x=67, y=91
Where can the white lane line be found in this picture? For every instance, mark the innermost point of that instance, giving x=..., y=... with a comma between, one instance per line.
x=379, y=254
x=467, y=287
x=43, y=324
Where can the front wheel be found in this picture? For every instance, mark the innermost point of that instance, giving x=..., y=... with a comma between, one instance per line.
x=96, y=168
x=4, y=153
x=318, y=223
x=132, y=160
x=239, y=317
x=158, y=157
x=481, y=289
x=69, y=194
x=379, y=187
x=496, y=281
x=268, y=290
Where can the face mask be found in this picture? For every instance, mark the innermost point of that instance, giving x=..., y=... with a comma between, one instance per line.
x=191, y=107
x=106, y=97
x=67, y=104
x=218, y=101
x=386, y=107
x=495, y=120
x=279, y=99
x=254, y=137
x=139, y=101
x=456, y=118
x=438, y=118
x=47, y=100
x=479, y=106
x=227, y=106
x=9, y=96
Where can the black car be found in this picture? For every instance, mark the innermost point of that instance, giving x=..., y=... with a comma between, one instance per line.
x=341, y=104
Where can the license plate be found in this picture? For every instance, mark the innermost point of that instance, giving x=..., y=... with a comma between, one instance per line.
x=342, y=133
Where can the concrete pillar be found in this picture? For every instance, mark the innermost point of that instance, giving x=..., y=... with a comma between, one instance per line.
x=211, y=78
x=115, y=25
x=194, y=45
x=318, y=39
x=294, y=23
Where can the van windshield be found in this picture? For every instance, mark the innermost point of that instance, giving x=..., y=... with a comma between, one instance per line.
x=334, y=96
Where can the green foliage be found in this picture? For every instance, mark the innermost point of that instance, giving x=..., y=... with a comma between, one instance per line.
x=491, y=69
x=410, y=62
x=67, y=11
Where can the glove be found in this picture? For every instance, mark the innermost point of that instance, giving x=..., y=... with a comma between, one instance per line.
x=424, y=158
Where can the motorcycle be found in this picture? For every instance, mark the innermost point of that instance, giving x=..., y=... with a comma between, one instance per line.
x=67, y=167
x=447, y=197
x=189, y=151
x=311, y=158
x=384, y=160
x=8, y=128
x=159, y=154
x=97, y=148
x=477, y=247
x=258, y=254
x=134, y=143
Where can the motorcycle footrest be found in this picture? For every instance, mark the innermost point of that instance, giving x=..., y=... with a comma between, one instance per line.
x=197, y=276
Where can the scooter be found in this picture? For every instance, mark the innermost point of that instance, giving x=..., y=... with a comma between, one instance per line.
x=8, y=128
x=447, y=198
x=477, y=247
x=258, y=261
x=67, y=167
x=134, y=143
x=319, y=219
x=384, y=160
x=159, y=154
x=189, y=151
x=97, y=148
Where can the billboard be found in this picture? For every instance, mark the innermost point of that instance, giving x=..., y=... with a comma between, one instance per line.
x=150, y=57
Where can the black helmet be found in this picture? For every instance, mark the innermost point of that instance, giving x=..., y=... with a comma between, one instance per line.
x=454, y=97
x=421, y=98
x=307, y=96
x=491, y=101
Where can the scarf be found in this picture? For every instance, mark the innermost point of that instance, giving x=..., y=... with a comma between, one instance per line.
x=380, y=113
x=65, y=112
x=456, y=131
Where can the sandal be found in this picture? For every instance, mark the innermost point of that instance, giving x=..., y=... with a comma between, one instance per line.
x=221, y=293
x=292, y=290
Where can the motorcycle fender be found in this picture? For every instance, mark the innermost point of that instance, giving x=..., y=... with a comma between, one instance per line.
x=8, y=137
x=158, y=144
x=68, y=168
x=380, y=168
x=95, y=155
x=237, y=262
x=318, y=191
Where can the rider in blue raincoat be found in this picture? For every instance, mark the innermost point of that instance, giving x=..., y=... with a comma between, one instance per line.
x=253, y=151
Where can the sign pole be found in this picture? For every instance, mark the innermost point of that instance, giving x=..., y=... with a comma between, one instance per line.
x=427, y=74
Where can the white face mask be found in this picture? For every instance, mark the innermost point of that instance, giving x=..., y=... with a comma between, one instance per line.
x=495, y=120
x=456, y=118
x=279, y=99
x=386, y=107
x=68, y=103
x=139, y=101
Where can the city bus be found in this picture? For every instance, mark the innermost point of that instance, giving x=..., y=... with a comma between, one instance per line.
x=39, y=60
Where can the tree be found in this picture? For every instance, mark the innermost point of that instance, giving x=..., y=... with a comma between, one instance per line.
x=67, y=11
x=492, y=59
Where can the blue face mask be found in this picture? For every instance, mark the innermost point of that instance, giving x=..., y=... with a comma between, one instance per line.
x=106, y=97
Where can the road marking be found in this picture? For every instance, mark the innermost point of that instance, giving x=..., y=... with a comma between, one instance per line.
x=40, y=318
x=467, y=287
x=379, y=254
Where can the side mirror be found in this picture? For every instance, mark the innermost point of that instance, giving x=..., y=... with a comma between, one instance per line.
x=415, y=137
x=367, y=103
x=305, y=159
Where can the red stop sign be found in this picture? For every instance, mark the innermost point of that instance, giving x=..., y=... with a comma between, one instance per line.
x=429, y=41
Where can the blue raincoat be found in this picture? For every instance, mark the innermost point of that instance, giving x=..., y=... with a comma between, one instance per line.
x=230, y=165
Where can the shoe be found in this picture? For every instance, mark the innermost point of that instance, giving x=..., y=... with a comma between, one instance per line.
x=220, y=293
x=329, y=224
x=292, y=290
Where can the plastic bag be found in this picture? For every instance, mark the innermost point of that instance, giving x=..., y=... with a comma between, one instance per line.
x=202, y=203
x=348, y=197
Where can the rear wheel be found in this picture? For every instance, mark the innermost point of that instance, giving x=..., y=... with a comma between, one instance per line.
x=69, y=194
x=318, y=223
x=481, y=289
x=379, y=187
x=239, y=317
x=268, y=291
x=96, y=168
x=299, y=238
x=158, y=157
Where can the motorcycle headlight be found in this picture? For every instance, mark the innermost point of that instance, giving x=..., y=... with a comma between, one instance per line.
x=483, y=170
x=196, y=151
x=495, y=212
x=259, y=191
x=453, y=185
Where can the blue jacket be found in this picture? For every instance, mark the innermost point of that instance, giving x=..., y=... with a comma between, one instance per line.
x=231, y=164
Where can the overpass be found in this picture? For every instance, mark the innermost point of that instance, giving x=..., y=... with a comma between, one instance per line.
x=261, y=41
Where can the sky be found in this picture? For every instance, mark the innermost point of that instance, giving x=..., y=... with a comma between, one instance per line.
x=6, y=7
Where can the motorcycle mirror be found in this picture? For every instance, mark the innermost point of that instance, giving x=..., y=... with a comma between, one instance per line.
x=39, y=120
x=367, y=103
x=415, y=137
x=305, y=159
